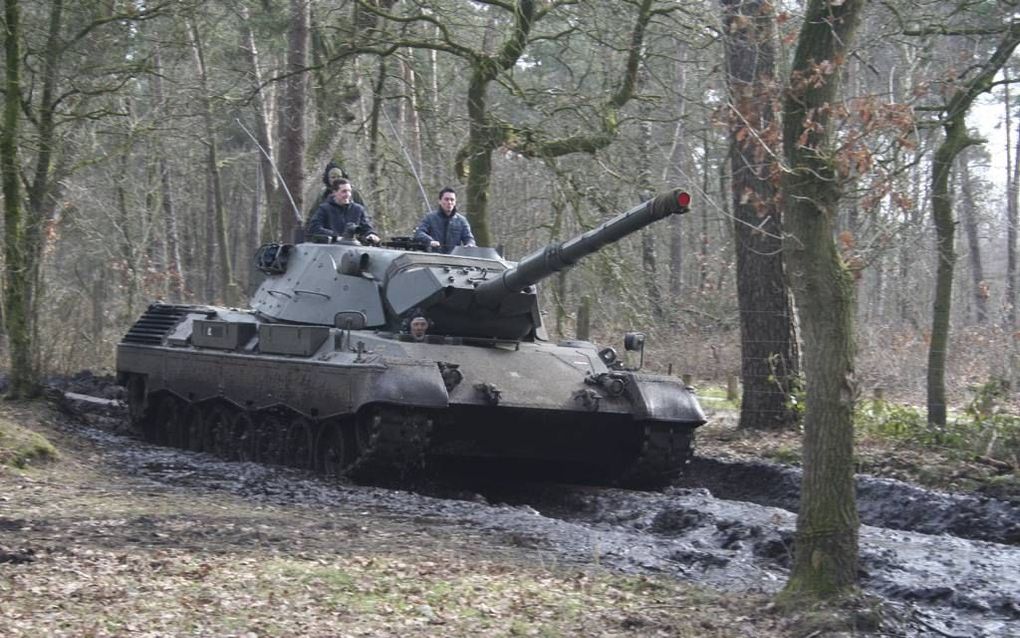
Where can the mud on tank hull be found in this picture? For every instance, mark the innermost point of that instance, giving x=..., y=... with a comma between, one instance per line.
x=380, y=408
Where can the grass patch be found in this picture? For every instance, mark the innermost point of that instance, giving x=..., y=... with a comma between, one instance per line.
x=365, y=594
x=20, y=447
x=716, y=398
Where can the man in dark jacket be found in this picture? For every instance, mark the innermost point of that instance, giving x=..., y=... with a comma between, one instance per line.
x=445, y=228
x=331, y=179
x=333, y=215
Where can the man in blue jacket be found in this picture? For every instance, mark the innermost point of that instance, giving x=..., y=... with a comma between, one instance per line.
x=333, y=215
x=445, y=228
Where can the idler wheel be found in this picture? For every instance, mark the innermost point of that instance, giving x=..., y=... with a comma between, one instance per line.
x=136, y=400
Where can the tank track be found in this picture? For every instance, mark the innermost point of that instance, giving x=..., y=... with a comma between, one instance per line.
x=389, y=444
x=666, y=452
x=393, y=446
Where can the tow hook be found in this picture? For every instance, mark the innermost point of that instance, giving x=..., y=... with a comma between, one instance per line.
x=588, y=398
x=490, y=392
x=613, y=383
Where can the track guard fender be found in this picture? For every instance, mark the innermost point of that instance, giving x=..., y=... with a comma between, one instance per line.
x=415, y=384
x=661, y=398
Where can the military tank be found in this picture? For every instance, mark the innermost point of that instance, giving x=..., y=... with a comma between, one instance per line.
x=321, y=372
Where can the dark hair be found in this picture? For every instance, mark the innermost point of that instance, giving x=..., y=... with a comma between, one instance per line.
x=445, y=191
x=340, y=182
x=330, y=166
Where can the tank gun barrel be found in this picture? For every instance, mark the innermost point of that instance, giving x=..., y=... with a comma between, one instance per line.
x=559, y=255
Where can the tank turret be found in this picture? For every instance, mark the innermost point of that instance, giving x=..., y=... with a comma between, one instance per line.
x=471, y=292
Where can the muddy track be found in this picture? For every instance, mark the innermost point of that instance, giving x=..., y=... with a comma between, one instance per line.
x=880, y=502
x=731, y=526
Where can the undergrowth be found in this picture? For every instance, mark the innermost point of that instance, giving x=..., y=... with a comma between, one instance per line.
x=984, y=428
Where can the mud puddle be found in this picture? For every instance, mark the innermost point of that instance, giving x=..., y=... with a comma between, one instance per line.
x=880, y=502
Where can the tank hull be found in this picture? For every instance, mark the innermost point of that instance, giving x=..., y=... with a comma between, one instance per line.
x=378, y=406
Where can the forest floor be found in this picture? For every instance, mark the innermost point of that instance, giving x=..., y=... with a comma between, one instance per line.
x=89, y=546
x=941, y=468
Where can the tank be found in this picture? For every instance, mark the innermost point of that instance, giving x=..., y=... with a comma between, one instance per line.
x=321, y=371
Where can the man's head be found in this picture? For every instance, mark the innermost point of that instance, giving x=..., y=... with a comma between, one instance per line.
x=333, y=175
x=342, y=192
x=419, y=326
x=448, y=200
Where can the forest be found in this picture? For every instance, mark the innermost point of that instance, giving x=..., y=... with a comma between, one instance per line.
x=853, y=168
x=136, y=149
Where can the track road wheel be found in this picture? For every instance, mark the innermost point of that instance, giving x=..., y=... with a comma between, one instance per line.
x=218, y=429
x=270, y=430
x=164, y=426
x=333, y=450
x=243, y=436
x=194, y=417
x=300, y=443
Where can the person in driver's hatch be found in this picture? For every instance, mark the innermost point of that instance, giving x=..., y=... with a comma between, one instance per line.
x=419, y=326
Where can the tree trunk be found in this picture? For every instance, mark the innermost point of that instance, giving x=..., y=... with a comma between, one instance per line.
x=375, y=113
x=769, y=359
x=703, y=236
x=945, y=233
x=481, y=142
x=649, y=262
x=292, y=120
x=40, y=196
x=826, y=546
x=224, y=267
x=969, y=212
x=1012, y=216
x=209, y=253
x=258, y=104
x=128, y=254
x=954, y=126
x=171, y=236
x=23, y=377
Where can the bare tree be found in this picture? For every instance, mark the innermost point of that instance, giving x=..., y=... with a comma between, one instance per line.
x=292, y=119
x=768, y=339
x=1012, y=214
x=24, y=379
x=488, y=132
x=970, y=216
x=826, y=549
x=227, y=285
x=171, y=236
x=262, y=136
x=956, y=139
